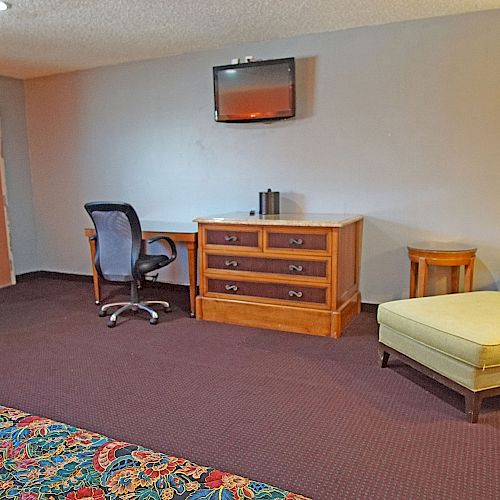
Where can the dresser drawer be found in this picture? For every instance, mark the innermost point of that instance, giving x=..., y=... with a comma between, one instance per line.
x=233, y=237
x=317, y=241
x=318, y=268
x=289, y=292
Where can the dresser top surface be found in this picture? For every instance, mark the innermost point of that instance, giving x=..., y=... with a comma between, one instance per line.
x=293, y=219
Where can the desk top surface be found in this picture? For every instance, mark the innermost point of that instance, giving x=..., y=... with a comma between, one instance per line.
x=315, y=220
x=159, y=226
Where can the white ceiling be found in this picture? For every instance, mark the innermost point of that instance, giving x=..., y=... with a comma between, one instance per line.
x=43, y=37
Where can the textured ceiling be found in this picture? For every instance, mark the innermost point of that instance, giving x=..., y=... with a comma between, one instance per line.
x=42, y=37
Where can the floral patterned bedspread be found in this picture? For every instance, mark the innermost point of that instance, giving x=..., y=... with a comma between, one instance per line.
x=43, y=459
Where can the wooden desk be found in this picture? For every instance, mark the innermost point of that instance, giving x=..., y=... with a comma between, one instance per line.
x=180, y=232
x=423, y=255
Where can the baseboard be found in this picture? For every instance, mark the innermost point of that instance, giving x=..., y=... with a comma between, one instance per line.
x=369, y=308
x=82, y=278
x=365, y=307
x=52, y=275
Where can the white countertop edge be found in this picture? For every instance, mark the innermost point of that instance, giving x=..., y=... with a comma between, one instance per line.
x=306, y=220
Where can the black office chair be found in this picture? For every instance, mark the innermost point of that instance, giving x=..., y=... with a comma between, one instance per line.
x=119, y=255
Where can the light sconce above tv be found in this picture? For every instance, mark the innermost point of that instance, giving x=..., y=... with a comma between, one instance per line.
x=255, y=91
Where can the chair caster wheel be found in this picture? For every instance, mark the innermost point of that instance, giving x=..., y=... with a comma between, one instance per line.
x=111, y=324
x=102, y=314
x=153, y=321
x=167, y=309
x=192, y=315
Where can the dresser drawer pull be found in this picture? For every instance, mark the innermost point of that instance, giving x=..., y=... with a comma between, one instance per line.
x=296, y=241
x=293, y=293
x=232, y=288
x=230, y=238
x=293, y=267
x=231, y=263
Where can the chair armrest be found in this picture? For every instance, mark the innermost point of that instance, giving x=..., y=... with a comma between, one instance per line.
x=171, y=243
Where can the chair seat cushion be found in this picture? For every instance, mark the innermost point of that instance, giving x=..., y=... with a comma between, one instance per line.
x=465, y=326
x=147, y=263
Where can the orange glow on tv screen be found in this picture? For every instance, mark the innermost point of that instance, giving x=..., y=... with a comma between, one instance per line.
x=256, y=91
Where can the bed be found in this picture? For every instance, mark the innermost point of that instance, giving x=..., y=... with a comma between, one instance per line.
x=41, y=459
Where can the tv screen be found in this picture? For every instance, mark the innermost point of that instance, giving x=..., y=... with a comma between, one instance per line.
x=255, y=91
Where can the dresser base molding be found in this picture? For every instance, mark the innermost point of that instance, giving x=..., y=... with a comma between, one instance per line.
x=346, y=313
x=279, y=317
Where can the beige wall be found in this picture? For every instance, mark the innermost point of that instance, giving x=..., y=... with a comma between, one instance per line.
x=18, y=175
x=399, y=122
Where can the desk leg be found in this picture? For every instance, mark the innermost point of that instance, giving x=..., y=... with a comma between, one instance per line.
x=422, y=276
x=95, y=276
x=469, y=275
x=413, y=279
x=192, y=251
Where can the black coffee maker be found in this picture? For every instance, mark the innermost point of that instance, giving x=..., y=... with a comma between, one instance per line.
x=269, y=202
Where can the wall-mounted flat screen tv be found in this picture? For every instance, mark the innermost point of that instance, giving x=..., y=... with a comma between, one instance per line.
x=255, y=91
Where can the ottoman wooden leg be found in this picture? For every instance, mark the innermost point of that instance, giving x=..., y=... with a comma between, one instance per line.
x=385, y=359
x=473, y=402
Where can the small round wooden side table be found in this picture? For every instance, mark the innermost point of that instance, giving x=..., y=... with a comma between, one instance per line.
x=423, y=255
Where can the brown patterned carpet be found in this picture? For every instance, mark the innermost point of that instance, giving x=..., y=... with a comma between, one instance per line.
x=313, y=415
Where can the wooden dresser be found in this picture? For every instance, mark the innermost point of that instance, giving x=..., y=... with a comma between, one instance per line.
x=298, y=273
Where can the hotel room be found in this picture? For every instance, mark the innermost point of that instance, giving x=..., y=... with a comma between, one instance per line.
x=395, y=132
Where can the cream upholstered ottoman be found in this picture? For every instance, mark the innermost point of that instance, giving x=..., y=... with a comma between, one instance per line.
x=454, y=338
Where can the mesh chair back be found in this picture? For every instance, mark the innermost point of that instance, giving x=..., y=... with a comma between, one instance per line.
x=119, y=239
